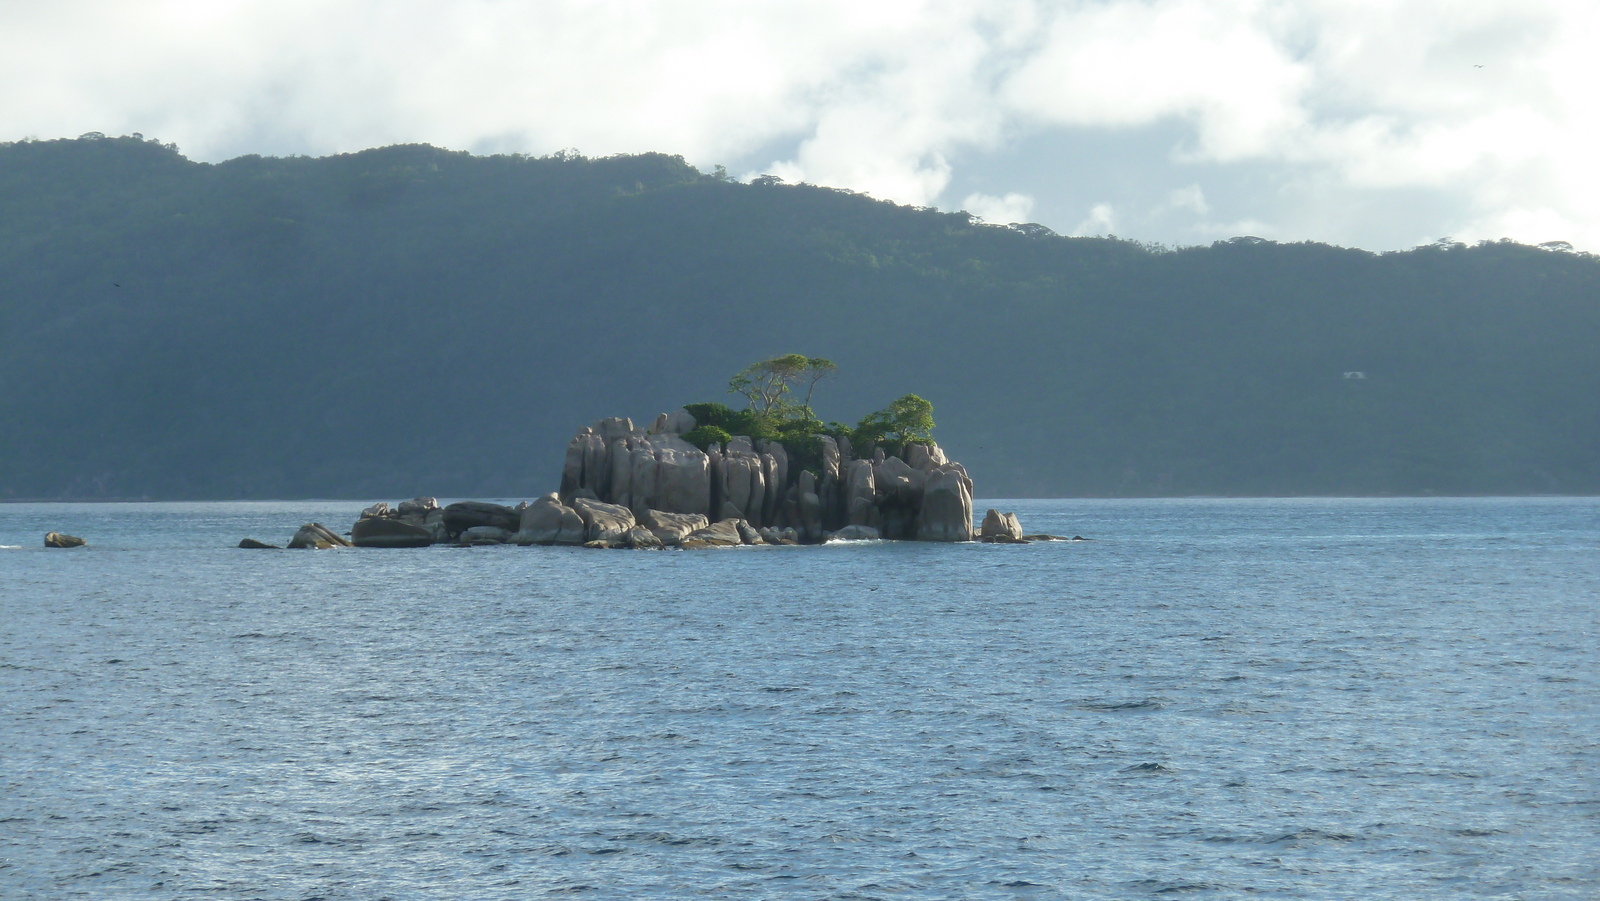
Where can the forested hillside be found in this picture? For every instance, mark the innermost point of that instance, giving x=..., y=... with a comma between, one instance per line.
x=412, y=320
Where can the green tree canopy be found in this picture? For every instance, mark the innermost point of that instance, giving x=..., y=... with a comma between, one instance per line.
x=908, y=419
x=769, y=384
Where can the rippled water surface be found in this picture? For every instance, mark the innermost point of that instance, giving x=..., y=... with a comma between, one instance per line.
x=1215, y=699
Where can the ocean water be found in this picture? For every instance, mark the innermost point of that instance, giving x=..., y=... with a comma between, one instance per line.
x=1306, y=699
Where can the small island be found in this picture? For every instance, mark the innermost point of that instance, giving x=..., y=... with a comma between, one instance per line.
x=707, y=475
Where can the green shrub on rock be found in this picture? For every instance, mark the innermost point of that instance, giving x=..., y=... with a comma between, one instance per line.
x=735, y=422
x=706, y=435
x=771, y=416
x=709, y=414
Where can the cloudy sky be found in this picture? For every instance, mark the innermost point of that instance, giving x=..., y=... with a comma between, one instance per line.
x=1360, y=122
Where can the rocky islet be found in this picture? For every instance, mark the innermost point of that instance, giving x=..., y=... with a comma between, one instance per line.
x=628, y=487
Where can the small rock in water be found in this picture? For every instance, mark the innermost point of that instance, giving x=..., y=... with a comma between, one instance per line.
x=1001, y=526
x=58, y=539
x=673, y=528
x=463, y=515
x=389, y=533
x=484, y=535
x=1004, y=539
x=316, y=536
x=642, y=539
x=748, y=534
x=723, y=533
x=254, y=545
x=855, y=533
x=418, y=506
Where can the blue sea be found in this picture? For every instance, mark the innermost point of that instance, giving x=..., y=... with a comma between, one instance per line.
x=1296, y=699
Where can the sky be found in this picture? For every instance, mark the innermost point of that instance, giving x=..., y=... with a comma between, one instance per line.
x=1381, y=125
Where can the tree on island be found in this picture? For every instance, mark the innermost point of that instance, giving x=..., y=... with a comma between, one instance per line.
x=771, y=414
x=768, y=384
x=908, y=419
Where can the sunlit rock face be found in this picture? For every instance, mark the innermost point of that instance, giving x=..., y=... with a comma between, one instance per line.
x=548, y=521
x=626, y=487
x=946, y=505
x=656, y=475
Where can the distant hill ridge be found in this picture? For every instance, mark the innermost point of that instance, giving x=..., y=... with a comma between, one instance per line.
x=409, y=320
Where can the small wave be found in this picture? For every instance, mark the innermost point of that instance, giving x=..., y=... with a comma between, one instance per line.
x=1159, y=887
x=1112, y=706
x=667, y=838
x=1301, y=836
x=10, y=547
x=201, y=827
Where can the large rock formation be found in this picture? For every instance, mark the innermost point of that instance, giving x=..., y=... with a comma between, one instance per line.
x=946, y=505
x=419, y=522
x=861, y=495
x=548, y=521
x=386, y=531
x=604, y=522
x=623, y=486
x=808, y=505
x=58, y=539
x=618, y=464
x=918, y=494
x=464, y=515
x=672, y=528
x=724, y=533
x=484, y=535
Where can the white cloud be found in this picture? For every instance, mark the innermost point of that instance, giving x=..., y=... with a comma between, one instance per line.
x=1101, y=221
x=999, y=210
x=1322, y=99
x=1125, y=64
x=1190, y=198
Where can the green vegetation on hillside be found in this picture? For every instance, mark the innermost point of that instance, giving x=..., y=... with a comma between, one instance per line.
x=412, y=320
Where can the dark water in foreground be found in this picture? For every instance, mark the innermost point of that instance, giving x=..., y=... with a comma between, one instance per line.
x=1309, y=699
